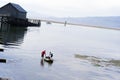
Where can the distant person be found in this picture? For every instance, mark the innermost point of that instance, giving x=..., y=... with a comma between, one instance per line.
x=65, y=23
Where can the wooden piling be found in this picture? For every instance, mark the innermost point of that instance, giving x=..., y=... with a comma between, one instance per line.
x=1, y=50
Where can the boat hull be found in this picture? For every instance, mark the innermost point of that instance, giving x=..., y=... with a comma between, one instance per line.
x=48, y=60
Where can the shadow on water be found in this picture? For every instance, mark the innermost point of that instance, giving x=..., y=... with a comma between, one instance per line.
x=4, y=78
x=100, y=62
x=43, y=63
x=12, y=35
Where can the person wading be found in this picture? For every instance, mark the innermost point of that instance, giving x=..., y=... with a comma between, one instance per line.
x=43, y=53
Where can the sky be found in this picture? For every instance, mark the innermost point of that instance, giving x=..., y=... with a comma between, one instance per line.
x=68, y=8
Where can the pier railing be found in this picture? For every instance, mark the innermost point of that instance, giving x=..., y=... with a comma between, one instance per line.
x=34, y=22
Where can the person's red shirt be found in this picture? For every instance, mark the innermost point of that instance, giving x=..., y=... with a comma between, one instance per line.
x=43, y=53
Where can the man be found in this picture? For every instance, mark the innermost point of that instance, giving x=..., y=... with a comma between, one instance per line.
x=51, y=54
x=43, y=53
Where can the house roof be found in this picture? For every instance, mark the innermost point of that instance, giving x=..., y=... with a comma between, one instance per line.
x=17, y=7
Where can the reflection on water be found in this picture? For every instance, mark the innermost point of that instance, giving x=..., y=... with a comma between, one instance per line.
x=43, y=63
x=10, y=35
x=96, y=61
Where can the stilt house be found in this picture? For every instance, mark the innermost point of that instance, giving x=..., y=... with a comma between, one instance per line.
x=13, y=10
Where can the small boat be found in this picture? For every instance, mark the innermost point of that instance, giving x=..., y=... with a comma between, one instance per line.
x=48, y=22
x=48, y=59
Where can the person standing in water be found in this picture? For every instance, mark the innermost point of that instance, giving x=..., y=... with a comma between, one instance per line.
x=51, y=54
x=65, y=23
x=43, y=53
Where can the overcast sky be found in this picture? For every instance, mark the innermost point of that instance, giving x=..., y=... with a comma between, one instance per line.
x=68, y=8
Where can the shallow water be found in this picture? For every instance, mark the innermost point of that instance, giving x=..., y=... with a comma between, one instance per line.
x=80, y=53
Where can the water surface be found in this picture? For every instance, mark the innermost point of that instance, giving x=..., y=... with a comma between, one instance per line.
x=80, y=53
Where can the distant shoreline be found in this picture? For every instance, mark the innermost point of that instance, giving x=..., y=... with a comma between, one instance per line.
x=85, y=25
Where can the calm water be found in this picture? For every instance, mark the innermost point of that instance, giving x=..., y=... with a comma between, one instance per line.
x=80, y=53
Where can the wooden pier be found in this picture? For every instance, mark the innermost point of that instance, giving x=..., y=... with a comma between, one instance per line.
x=4, y=19
x=34, y=22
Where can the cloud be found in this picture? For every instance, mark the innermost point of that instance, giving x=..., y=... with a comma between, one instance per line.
x=64, y=8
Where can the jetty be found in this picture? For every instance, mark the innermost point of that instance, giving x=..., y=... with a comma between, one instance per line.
x=15, y=15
